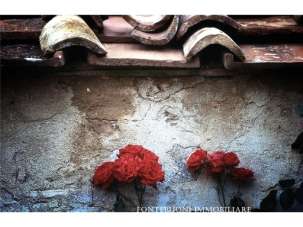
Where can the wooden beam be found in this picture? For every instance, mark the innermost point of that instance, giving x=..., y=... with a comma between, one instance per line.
x=86, y=70
x=264, y=56
x=275, y=25
x=275, y=53
x=214, y=72
x=29, y=55
x=160, y=38
x=138, y=55
x=241, y=27
x=21, y=29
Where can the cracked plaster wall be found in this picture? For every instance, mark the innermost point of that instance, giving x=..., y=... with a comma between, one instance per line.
x=56, y=130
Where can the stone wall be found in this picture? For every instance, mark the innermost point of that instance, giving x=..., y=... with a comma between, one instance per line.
x=56, y=130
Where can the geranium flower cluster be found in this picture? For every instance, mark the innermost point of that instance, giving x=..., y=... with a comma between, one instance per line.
x=134, y=163
x=219, y=162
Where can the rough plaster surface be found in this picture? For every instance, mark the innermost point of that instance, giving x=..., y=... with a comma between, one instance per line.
x=56, y=130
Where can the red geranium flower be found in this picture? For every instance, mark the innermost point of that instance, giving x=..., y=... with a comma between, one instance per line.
x=147, y=154
x=104, y=175
x=196, y=159
x=242, y=174
x=135, y=159
x=137, y=150
x=150, y=172
x=216, y=158
x=134, y=164
x=216, y=162
x=231, y=159
x=126, y=168
x=130, y=149
x=216, y=170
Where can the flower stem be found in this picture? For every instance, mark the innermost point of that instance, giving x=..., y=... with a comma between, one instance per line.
x=120, y=204
x=221, y=193
x=140, y=189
